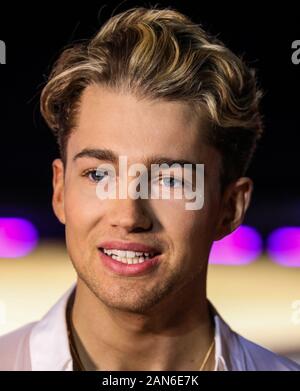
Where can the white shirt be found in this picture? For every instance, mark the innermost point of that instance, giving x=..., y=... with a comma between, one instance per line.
x=44, y=346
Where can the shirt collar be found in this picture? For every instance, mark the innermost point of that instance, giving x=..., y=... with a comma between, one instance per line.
x=221, y=351
x=49, y=344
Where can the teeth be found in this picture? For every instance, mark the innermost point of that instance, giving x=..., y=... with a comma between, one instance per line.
x=127, y=254
x=121, y=254
x=129, y=257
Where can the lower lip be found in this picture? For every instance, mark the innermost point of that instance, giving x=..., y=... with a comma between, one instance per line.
x=126, y=269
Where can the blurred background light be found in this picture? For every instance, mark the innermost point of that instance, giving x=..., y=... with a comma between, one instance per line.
x=242, y=246
x=18, y=237
x=283, y=246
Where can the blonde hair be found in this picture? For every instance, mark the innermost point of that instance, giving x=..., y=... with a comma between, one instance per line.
x=160, y=53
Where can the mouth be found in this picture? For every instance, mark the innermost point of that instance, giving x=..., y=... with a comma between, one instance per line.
x=129, y=257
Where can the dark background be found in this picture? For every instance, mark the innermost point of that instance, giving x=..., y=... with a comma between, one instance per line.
x=36, y=33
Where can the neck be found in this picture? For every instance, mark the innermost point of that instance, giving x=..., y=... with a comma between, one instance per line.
x=175, y=335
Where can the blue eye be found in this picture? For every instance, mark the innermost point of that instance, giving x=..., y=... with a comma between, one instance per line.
x=95, y=175
x=172, y=182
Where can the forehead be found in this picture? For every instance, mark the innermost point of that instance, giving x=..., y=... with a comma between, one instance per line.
x=138, y=127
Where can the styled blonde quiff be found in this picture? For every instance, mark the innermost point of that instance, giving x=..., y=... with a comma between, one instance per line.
x=162, y=54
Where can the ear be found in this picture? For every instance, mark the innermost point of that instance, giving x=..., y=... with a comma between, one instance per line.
x=235, y=202
x=58, y=189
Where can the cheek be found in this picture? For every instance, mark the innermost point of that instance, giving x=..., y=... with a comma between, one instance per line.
x=190, y=231
x=83, y=213
x=181, y=225
x=82, y=207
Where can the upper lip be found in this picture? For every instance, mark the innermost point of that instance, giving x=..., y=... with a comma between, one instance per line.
x=130, y=246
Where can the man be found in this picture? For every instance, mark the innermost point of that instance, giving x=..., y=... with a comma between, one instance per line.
x=154, y=88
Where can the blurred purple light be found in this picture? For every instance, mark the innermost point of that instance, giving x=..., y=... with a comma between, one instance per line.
x=283, y=246
x=18, y=237
x=241, y=247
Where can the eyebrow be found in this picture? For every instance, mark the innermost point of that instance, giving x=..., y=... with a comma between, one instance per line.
x=110, y=156
x=100, y=154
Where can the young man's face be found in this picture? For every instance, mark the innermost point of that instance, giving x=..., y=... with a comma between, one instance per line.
x=139, y=130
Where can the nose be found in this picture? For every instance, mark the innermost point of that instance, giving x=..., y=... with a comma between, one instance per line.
x=129, y=215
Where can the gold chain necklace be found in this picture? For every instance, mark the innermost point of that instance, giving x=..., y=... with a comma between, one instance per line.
x=77, y=363
x=207, y=355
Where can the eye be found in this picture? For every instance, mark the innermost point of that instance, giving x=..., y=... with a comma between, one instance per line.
x=95, y=175
x=172, y=182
